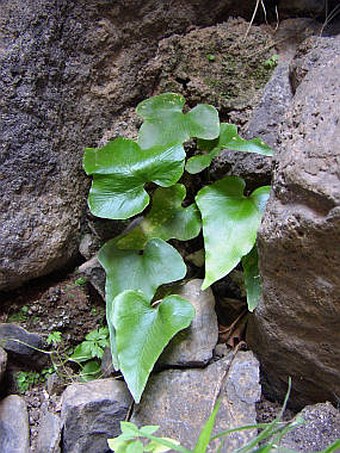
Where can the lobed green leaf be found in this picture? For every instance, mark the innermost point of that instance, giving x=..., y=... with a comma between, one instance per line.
x=143, y=331
x=230, y=224
x=228, y=139
x=120, y=171
x=165, y=123
x=166, y=220
x=251, y=273
x=159, y=264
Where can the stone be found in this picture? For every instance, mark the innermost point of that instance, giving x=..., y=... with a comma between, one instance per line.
x=294, y=330
x=14, y=429
x=240, y=392
x=320, y=429
x=194, y=346
x=22, y=345
x=95, y=274
x=49, y=434
x=3, y=363
x=91, y=413
x=67, y=70
x=180, y=401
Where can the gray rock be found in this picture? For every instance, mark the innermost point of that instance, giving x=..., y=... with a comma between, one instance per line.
x=14, y=429
x=294, y=330
x=320, y=429
x=23, y=345
x=194, y=346
x=49, y=434
x=180, y=401
x=95, y=274
x=91, y=413
x=3, y=363
x=239, y=393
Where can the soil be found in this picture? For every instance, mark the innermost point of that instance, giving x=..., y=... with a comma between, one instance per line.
x=67, y=305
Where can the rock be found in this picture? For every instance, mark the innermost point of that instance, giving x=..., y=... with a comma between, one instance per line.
x=239, y=393
x=91, y=414
x=49, y=434
x=14, y=429
x=320, y=429
x=3, y=363
x=294, y=330
x=194, y=346
x=180, y=401
x=95, y=274
x=205, y=66
x=22, y=345
x=67, y=70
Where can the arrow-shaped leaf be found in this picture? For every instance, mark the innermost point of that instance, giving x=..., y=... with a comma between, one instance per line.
x=159, y=264
x=230, y=224
x=143, y=331
x=252, y=281
x=121, y=169
x=165, y=122
x=228, y=139
x=166, y=220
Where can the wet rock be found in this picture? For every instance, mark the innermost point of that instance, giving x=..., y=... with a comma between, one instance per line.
x=14, y=430
x=294, y=330
x=3, y=363
x=194, y=346
x=22, y=345
x=49, y=434
x=95, y=274
x=180, y=401
x=320, y=429
x=91, y=414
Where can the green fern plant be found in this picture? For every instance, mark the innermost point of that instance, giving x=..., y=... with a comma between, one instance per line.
x=124, y=175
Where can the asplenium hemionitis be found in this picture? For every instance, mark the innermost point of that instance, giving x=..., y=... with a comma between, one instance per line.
x=127, y=177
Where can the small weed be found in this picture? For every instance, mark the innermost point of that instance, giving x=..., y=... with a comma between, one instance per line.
x=272, y=62
x=54, y=338
x=81, y=281
x=211, y=57
x=19, y=316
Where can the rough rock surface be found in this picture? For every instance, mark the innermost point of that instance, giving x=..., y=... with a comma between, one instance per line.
x=67, y=68
x=23, y=345
x=320, y=429
x=294, y=330
x=14, y=430
x=194, y=346
x=91, y=414
x=49, y=435
x=3, y=363
x=180, y=401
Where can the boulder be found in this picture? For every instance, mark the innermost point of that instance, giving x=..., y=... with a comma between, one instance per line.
x=91, y=413
x=294, y=330
x=180, y=401
x=14, y=429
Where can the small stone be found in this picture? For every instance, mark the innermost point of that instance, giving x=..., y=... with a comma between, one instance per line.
x=95, y=274
x=14, y=429
x=23, y=345
x=91, y=413
x=49, y=434
x=3, y=363
x=194, y=346
x=320, y=429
